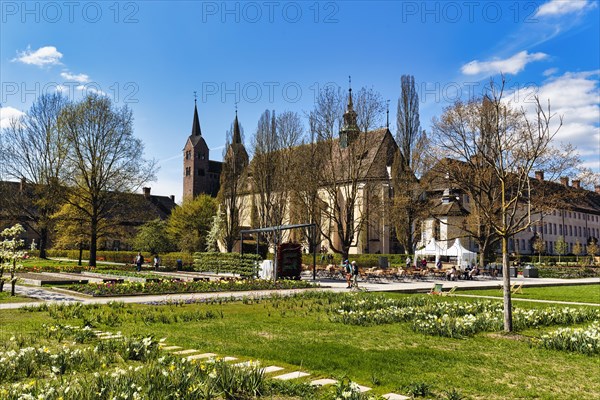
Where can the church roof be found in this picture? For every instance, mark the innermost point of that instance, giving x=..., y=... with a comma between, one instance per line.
x=237, y=136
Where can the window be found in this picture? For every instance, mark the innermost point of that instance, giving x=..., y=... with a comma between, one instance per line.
x=554, y=225
x=570, y=230
x=580, y=231
x=201, y=155
x=560, y=229
x=545, y=229
x=188, y=171
x=188, y=154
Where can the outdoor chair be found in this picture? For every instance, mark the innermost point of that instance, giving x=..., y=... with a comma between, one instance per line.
x=436, y=289
x=450, y=292
x=517, y=288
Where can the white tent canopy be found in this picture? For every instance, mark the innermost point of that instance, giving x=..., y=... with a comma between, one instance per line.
x=437, y=249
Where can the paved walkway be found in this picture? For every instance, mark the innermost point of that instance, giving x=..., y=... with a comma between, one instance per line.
x=53, y=296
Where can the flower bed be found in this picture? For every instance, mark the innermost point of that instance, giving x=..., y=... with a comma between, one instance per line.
x=580, y=340
x=173, y=287
x=454, y=319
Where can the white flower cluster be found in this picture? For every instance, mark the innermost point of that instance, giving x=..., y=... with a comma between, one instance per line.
x=581, y=340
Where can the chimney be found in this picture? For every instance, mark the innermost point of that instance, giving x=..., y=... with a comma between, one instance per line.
x=576, y=183
x=539, y=175
x=146, y=192
x=22, y=184
x=597, y=189
x=172, y=198
x=564, y=180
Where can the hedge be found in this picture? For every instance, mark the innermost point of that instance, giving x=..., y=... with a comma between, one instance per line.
x=245, y=265
x=569, y=272
x=127, y=257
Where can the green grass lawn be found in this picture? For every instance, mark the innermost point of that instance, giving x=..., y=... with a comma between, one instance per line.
x=581, y=293
x=299, y=334
x=5, y=297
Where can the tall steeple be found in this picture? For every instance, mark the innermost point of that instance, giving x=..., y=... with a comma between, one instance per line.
x=237, y=136
x=196, y=124
x=349, y=130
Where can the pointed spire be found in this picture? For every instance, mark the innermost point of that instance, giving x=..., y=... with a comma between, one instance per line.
x=196, y=124
x=237, y=136
x=350, y=114
x=387, y=114
x=350, y=105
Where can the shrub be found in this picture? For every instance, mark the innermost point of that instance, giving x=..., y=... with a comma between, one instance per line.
x=245, y=265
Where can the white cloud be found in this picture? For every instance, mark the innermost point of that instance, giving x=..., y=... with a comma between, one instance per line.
x=550, y=71
x=81, y=78
x=7, y=114
x=43, y=56
x=90, y=88
x=556, y=8
x=574, y=96
x=511, y=65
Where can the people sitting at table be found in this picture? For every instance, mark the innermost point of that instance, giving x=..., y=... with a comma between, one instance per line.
x=474, y=271
x=451, y=274
x=466, y=272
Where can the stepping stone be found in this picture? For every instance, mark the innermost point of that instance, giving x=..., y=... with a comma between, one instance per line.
x=292, y=375
x=270, y=369
x=169, y=348
x=107, y=334
x=183, y=352
x=229, y=359
x=394, y=396
x=363, y=389
x=246, y=364
x=110, y=337
x=197, y=356
x=323, y=382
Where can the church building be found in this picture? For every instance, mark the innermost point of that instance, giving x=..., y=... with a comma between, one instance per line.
x=200, y=174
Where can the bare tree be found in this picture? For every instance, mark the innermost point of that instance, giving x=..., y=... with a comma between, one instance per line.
x=344, y=190
x=272, y=166
x=233, y=182
x=369, y=109
x=34, y=150
x=508, y=149
x=407, y=205
x=104, y=159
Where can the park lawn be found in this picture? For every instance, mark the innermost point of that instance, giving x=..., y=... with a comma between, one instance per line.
x=579, y=293
x=298, y=333
x=5, y=297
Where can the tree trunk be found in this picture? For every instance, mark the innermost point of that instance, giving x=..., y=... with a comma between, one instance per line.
x=93, y=244
x=508, y=325
x=43, y=242
x=12, y=289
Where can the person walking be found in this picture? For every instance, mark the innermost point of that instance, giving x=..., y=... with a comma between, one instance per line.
x=355, y=274
x=139, y=260
x=348, y=272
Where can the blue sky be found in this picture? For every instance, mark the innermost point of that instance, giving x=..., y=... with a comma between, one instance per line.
x=153, y=55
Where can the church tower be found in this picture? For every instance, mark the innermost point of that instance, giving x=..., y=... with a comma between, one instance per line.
x=349, y=131
x=196, y=179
